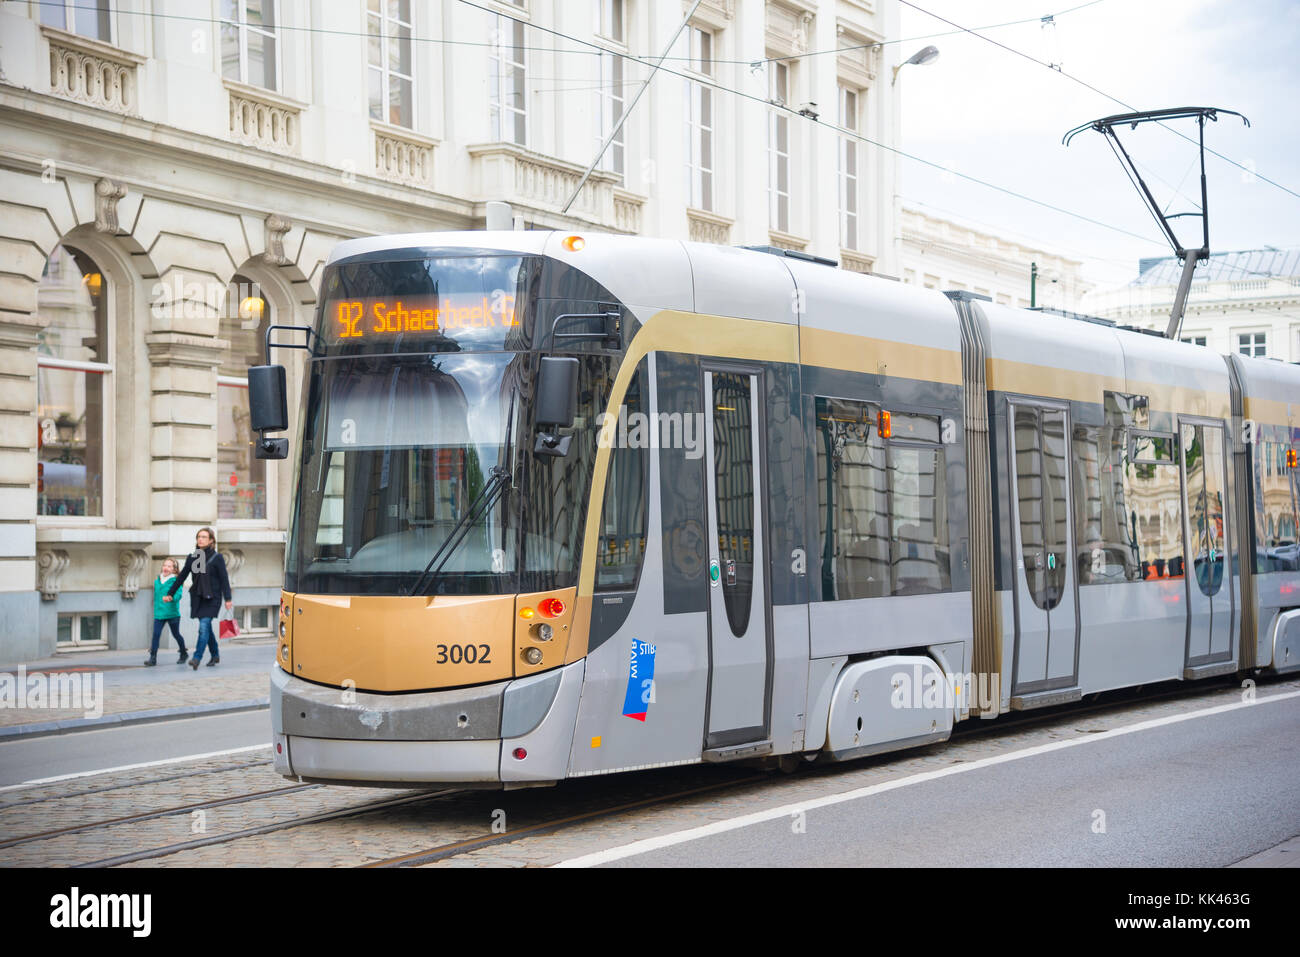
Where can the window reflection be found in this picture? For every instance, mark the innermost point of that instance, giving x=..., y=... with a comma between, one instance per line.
x=241, y=476
x=71, y=356
x=882, y=504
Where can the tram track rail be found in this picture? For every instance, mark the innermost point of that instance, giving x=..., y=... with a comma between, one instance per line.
x=967, y=730
x=972, y=729
x=153, y=815
x=269, y=828
x=130, y=784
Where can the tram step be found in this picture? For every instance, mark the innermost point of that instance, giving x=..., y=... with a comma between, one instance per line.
x=737, y=751
x=1209, y=670
x=1045, y=699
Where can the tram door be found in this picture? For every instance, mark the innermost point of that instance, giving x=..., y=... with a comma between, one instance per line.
x=740, y=657
x=1210, y=586
x=1046, y=629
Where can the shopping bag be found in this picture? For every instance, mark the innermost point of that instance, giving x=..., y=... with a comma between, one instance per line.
x=227, y=628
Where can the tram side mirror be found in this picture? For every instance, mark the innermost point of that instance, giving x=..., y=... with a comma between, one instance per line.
x=557, y=404
x=268, y=410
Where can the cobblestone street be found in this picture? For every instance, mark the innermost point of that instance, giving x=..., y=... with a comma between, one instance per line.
x=575, y=818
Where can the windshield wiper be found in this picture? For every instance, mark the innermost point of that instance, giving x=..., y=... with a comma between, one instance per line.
x=479, y=508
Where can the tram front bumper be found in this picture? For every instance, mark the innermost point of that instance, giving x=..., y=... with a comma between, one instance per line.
x=464, y=735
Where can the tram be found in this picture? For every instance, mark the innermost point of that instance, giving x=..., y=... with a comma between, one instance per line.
x=576, y=504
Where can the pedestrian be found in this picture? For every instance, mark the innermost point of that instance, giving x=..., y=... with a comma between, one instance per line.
x=166, y=613
x=211, y=584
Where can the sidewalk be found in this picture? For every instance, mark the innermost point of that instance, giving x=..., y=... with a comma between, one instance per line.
x=132, y=693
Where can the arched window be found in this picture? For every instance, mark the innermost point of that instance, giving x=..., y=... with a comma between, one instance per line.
x=241, y=477
x=73, y=386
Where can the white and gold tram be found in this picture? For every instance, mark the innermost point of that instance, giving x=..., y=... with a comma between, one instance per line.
x=570, y=505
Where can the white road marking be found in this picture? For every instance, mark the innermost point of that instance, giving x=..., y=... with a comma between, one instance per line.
x=720, y=827
x=133, y=767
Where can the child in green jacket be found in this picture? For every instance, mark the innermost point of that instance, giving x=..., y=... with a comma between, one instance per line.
x=166, y=613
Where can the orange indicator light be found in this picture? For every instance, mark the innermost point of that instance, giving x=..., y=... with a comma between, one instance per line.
x=551, y=607
x=573, y=244
x=526, y=613
x=883, y=425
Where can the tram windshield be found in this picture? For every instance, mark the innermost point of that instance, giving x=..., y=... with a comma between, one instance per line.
x=404, y=429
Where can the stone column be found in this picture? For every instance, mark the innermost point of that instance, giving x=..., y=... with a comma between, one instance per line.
x=19, y=602
x=183, y=441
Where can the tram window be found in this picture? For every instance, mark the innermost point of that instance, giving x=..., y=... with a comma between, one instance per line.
x=922, y=428
x=733, y=463
x=1203, y=476
x=852, y=495
x=620, y=549
x=918, y=553
x=1104, y=555
x=1041, y=493
x=1154, y=514
x=1277, y=508
x=556, y=488
x=883, y=505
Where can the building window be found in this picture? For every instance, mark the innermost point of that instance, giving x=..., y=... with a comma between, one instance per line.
x=390, y=73
x=699, y=122
x=248, y=42
x=82, y=632
x=86, y=18
x=610, y=105
x=72, y=385
x=508, y=103
x=611, y=19
x=1253, y=343
x=848, y=169
x=255, y=621
x=778, y=148
x=1194, y=340
x=241, y=476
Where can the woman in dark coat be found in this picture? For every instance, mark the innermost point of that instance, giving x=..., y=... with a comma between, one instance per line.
x=211, y=584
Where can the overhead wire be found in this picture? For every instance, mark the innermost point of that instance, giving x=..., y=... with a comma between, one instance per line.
x=1098, y=91
x=597, y=49
x=706, y=81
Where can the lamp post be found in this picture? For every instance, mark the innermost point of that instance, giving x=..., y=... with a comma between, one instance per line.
x=920, y=58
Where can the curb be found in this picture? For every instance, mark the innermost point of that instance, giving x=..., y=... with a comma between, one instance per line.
x=132, y=717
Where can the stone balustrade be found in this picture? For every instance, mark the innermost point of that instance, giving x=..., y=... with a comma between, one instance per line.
x=91, y=72
x=265, y=120
x=543, y=185
x=403, y=156
x=706, y=227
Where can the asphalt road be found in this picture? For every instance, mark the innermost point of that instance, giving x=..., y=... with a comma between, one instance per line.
x=34, y=757
x=1205, y=792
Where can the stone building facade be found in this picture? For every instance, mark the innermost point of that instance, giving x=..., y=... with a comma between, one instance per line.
x=173, y=177
x=941, y=253
x=1244, y=301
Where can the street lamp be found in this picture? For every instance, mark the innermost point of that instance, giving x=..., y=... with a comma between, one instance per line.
x=920, y=58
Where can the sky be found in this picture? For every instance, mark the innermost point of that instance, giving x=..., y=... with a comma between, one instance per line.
x=988, y=113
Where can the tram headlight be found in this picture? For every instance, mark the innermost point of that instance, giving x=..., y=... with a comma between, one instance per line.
x=283, y=630
x=533, y=656
x=543, y=632
x=284, y=652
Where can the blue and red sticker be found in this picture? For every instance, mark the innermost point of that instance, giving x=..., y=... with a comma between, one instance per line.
x=640, y=681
